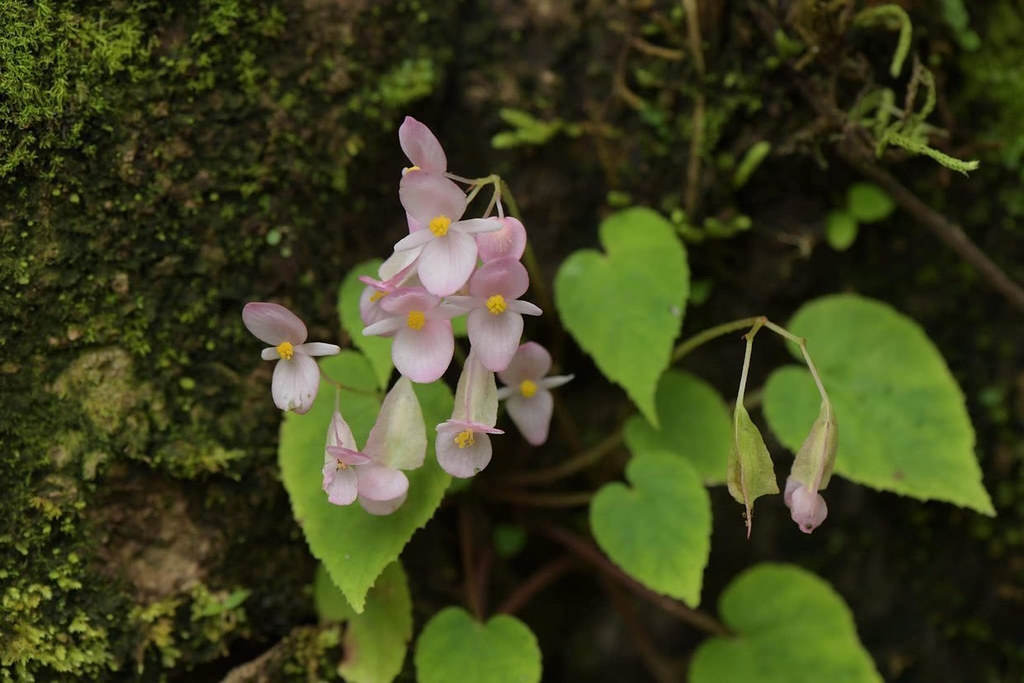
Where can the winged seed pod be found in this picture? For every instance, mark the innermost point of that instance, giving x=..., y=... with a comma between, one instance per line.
x=751, y=474
x=812, y=469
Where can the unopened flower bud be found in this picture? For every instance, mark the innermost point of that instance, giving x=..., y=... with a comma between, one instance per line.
x=812, y=469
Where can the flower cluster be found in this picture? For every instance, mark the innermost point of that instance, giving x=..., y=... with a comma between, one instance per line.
x=447, y=266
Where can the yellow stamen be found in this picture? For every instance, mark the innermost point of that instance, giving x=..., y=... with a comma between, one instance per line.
x=527, y=388
x=439, y=225
x=377, y=296
x=496, y=304
x=410, y=168
x=464, y=439
x=416, y=320
x=340, y=466
x=286, y=350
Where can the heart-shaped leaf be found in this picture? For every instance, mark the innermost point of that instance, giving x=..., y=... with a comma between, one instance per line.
x=694, y=424
x=903, y=426
x=376, y=349
x=625, y=307
x=658, y=531
x=790, y=627
x=376, y=640
x=354, y=545
x=455, y=647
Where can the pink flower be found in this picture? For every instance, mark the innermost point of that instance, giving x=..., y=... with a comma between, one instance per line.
x=527, y=394
x=495, y=322
x=463, y=443
x=510, y=241
x=424, y=343
x=449, y=250
x=807, y=507
x=397, y=442
x=297, y=376
x=421, y=146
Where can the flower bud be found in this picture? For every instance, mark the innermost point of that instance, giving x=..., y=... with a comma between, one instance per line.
x=812, y=469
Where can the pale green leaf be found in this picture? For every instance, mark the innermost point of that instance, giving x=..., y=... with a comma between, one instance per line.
x=659, y=530
x=327, y=598
x=868, y=203
x=903, y=424
x=789, y=626
x=625, y=306
x=455, y=647
x=694, y=424
x=840, y=230
x=751, y=473
x=376, y=349
x=354, y=545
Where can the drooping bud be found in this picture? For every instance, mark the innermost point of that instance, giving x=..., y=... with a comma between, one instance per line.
x=751, y=474
x=812, y=470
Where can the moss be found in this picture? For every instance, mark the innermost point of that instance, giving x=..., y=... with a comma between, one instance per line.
x=147, y=154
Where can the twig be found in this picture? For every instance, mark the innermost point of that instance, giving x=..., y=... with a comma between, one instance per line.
x=585, y=550
x=578, y=462
x=653, y=660
x=697, y=140
x=536, y=582
x=856, y=148
x=946, y=230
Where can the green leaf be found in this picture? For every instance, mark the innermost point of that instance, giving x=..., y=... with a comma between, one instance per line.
x=455, y=647
x=354, y=545
x=840, y=230
x=903, y=424
x=751, y=160
x=869, y=203
x=376, y=640
x=376, y=349
x=751, y=473
x=625, y=307
x=659, y=530
x=790, y=627
x=694, y=424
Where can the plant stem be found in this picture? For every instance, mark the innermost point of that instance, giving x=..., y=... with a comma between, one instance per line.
x=555, y=499
x=468, y=567
x=536, y=582
x=749, y=336
x=701, y=338
x=802, y=343
x=655, y=662
x=578, y=462
x=587, y=551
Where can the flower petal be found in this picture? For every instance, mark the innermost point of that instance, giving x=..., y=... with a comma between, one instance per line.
x=295, y=383
x=421, y=146
x=446, y=263
x=426, y=196
x=386, y=327
x=555, y=381
x=473, y=226
x=270, y=353
x=461, y=462
x=506, y=277
x=397, y=268
x=347, y=456
x=524, y=307
x=340, y=485
x=531, y=416
x=414, y=240
x=807, y=507
x=495, y=338
x=423, y=355
x=532, y=361
x=476, y=396
x=382, y=507
x=318, y=349
x=405, y=299
x=380, y=482
x=398, y=438
x=273, y=323
x=509, y=241
x=339, y=434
